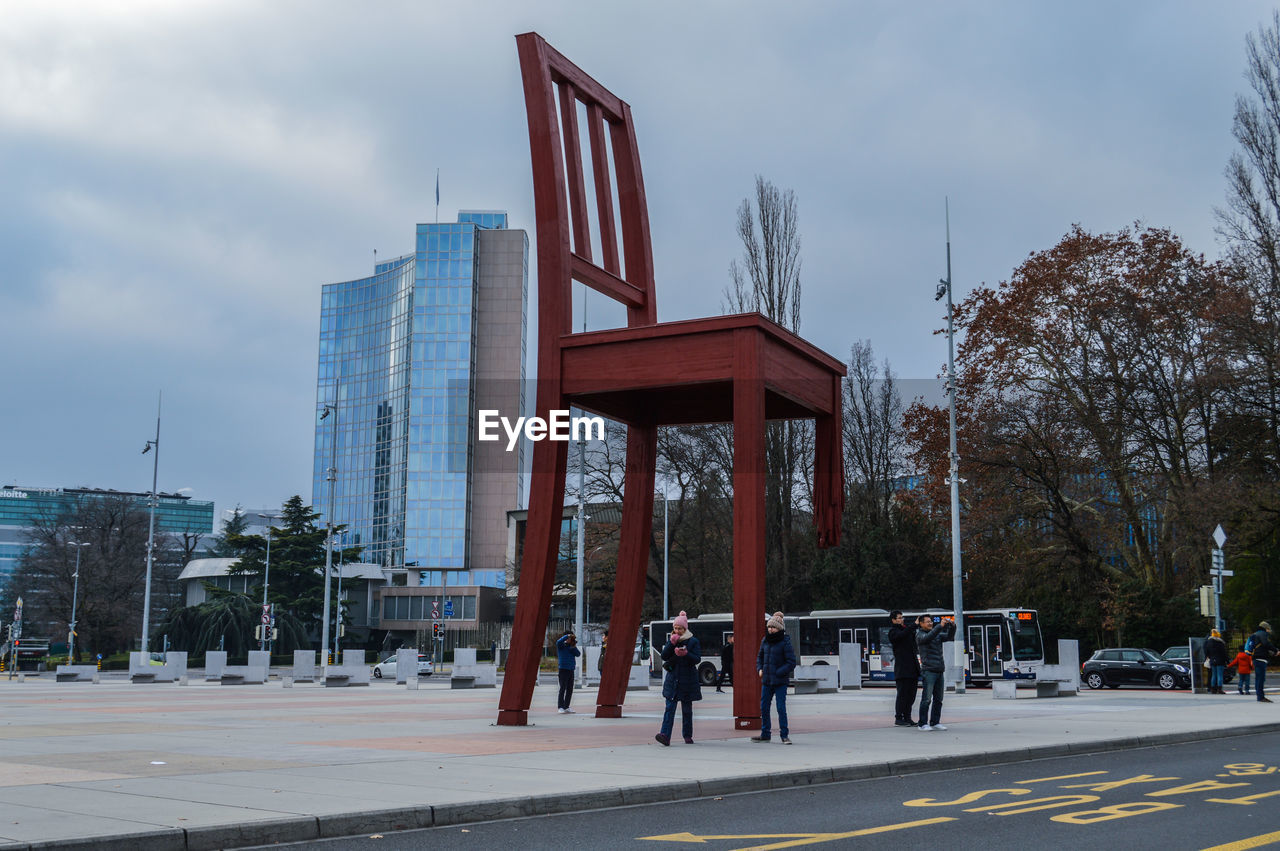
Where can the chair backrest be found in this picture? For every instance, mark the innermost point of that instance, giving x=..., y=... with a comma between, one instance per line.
x=554, y=89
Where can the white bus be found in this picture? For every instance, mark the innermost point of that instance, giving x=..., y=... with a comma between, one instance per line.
x=1003, y=643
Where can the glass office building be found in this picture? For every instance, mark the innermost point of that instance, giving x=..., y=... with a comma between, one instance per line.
x=21, y=508
x=407, y=356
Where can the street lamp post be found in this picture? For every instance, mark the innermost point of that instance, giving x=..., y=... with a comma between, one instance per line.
x=151, y=530
x=332, y=478
x=266, y=580
x=577, y=606
x=75, y=598
x=953, y=478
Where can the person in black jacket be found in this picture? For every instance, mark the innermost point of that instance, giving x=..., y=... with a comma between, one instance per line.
x=1263, y=651
x=1215, y=653
x=774, y=663
x=726, y=664
x=683, y=652
x=906, y=668
x=929, y=641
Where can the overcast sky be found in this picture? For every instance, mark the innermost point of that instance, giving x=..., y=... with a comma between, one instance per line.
x=178, y=179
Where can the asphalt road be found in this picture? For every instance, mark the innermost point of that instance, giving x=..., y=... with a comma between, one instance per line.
x=1195, y=796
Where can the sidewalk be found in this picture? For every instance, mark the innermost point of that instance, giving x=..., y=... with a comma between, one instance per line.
x=163, y=766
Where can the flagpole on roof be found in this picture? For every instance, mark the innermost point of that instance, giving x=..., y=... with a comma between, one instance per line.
x=437, y=196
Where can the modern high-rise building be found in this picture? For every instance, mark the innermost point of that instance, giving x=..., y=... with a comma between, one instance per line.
x=407, y=358
x=22, y=508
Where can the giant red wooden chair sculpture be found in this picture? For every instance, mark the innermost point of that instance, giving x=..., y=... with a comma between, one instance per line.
x=742, y=369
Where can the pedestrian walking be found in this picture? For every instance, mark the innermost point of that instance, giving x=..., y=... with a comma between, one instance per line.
x=1243, y=664
x=1263, y=651
x=906, y=667
x=604, y=646
x=567, y=654
x=774, y=663
x=929, y=641
x=1215, y=653
x=726, y=664
x=680, y=657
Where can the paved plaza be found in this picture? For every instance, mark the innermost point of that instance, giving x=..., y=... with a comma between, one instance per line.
x=166, y=766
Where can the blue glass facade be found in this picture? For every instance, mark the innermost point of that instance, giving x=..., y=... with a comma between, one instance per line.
x=21, y=507
x=397, y=368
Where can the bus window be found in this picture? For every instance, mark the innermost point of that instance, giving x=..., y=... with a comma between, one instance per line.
x=1025, y=632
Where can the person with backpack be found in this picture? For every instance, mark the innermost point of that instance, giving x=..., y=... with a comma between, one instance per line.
x=1262, y=651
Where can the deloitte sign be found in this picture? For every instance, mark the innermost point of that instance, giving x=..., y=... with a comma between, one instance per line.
x=561, y=425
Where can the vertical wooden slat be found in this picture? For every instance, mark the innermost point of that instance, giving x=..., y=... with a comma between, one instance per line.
x=604, y=188
x=637, y=250
x=577, y=185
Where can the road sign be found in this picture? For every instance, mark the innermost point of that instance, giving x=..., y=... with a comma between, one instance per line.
x=435, y=609
x=448, y=608
x=1219, y=536
x=266, y=614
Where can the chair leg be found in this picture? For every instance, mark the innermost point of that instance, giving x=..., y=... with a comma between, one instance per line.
x=750, y=466
x=633, y=567
x=537, y=574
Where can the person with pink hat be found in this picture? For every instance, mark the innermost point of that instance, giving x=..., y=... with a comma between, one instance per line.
x=680, y=657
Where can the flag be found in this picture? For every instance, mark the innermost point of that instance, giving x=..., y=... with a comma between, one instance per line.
x=437, y=187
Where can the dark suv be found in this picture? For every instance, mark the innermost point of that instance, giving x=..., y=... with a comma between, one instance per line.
x=1132, y=666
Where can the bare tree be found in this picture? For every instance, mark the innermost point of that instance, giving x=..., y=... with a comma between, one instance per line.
x=873, y=433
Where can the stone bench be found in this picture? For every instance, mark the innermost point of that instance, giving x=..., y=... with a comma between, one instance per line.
x=473, y=676
x=1008, y=689
x=142, y=671
x=240, y=675
x=341, y=676
x=76, y=674
x=815, y=679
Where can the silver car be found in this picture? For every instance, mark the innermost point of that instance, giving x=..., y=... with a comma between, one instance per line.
x=387, y=667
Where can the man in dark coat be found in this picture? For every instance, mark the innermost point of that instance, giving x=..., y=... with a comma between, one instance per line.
x=929, y=641
x=1263, y=652
x=906, y=668
x=726, y=663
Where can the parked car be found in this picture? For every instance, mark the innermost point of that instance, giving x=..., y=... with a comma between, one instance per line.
x=1133, y=666
x=1180, y=654
x=387, y=667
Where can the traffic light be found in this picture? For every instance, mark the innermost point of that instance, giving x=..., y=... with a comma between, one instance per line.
x=437, y=630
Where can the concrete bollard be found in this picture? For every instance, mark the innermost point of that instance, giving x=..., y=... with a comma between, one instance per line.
x=286, y=682
x=96, y=678
x=182, y=680
x=411, y=684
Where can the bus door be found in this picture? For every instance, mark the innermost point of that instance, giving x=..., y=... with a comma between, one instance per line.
x=863, y=637
x=977, y=653
x=995, y=663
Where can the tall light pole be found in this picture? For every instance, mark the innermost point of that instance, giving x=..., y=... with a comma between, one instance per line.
x=577, y=605
x=266, y=580
x=151, y=530
x=332, y=478
x=75, y=598
x=957, y=592
x=337, y=603
x=666, y=552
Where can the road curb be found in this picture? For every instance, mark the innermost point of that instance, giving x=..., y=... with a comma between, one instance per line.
x=443, y=815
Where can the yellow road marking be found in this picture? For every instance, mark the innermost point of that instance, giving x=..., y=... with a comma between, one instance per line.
x=1251, y=842
x=1247, y=801
x=1061, y=777
x=795, y=839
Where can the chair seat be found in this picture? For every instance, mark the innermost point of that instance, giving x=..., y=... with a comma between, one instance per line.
x=681, y=373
